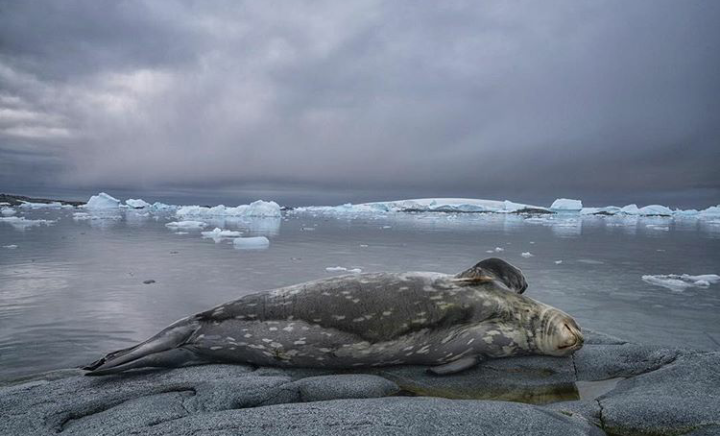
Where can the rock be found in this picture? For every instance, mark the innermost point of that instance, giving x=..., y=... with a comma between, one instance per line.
x=333, y=387
x=148, y=282
x=601, y=362
x=597, y=338
x=385, y=416
x=678, y=398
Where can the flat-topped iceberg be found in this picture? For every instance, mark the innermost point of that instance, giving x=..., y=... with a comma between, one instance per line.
x=254, y=242
x=258, y=208
x=566, y=205
x=102, y=201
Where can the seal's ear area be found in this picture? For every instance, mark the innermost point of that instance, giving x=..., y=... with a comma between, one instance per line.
x=498, y=269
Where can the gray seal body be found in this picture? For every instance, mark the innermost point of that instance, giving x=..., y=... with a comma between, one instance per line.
x=450, y=322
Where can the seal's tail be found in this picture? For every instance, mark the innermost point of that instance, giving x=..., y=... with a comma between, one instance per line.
x=162, y=350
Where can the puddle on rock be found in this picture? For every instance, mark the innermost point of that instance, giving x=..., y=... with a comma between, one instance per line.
x=591, y=390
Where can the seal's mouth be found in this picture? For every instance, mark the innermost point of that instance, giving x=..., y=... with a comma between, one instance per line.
x=574, y=339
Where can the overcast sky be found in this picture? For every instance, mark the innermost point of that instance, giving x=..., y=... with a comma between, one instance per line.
x=608, y=101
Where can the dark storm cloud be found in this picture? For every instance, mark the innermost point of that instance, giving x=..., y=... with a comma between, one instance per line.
x=450, y=98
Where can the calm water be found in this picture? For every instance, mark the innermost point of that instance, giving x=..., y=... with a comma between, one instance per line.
x=73, y=291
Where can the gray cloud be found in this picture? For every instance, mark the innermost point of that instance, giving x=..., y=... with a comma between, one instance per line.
x=596, y=100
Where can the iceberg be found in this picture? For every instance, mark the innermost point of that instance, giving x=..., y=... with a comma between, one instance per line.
x=448, y=205
x=679, y=283
x=218, y=234
x=186, y=225
x=51, y=205
x=566, y=205
x=254, y=242
x=7, y=211
x=137, y=204
x=710, y=212
x=655, y=210
x=102, y=201
x=258, y=208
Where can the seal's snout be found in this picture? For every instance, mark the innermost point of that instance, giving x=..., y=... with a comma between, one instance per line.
x=570, y=337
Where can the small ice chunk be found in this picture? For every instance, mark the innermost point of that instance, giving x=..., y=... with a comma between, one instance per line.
x=343, y=269
x=11, y=247
x=186, y=225
x=137, y=204
x=81, y=216
x=7, y=211
x=566, y=205
x=218, y=234
x=526, y=254
x=499, y=249
x=558, y=262
x=254, y=242
x=679, y=283
x=102, y=201
x=22, y=222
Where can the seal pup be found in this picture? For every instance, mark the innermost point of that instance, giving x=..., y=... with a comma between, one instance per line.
x=449, y=322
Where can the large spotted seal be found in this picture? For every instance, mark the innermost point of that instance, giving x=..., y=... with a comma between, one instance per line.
x=449, y=322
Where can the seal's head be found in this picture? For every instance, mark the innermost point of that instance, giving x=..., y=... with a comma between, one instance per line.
x=556, y=333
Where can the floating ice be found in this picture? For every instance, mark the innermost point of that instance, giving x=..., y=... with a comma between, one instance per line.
x=526, y=254
x=7, y=211
x=81, y=216
x=258, y=208
x=558, y=262
x=137, y=204
x=499, y=249
x=711, y=212
x=102, y=201
x=254, y=242
x=11, y=247
x=343, y=269
x=51, y=205
x=679, y=283
x=218, y=234
x=566, y=205
x=186, y=225
x=22, y=222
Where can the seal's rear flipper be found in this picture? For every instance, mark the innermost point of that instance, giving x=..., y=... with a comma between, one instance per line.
x=496, y=269
x=165, y=359
x=456, y=366
x=152, y=352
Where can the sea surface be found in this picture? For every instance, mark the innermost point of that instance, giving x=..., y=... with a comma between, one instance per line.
x=73, y=290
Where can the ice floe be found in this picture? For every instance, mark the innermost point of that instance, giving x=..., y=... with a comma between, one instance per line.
x=681, y=282
x=343, y=269
x=7, y=211
x=253, y=242
x=11, y=247
x=526, y=254
x=258, y=208
x=137, y=204
x=51, y=205
x=22, y=222
x=219, y=234
x=102, y=201
x=186, y=225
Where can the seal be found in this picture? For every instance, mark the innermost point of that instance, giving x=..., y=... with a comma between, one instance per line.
x=449, y=322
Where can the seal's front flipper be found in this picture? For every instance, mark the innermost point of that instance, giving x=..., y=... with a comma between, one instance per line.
x=456, y=366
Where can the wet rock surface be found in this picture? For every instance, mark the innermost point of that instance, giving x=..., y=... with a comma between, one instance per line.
x=629, y=390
